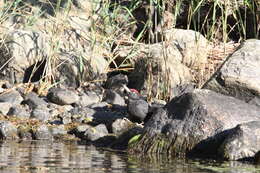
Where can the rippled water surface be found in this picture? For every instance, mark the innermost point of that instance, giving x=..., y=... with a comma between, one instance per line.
x=45, y=156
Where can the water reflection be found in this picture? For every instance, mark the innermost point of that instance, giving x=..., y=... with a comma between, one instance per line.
x=46, y=156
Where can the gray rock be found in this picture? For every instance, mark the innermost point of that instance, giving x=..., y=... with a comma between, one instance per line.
x=20, y=111
x=80, y=130
x=66, y=120
x=25, y=133
x=121, y=125
x=137, y=109
x=239, y=75
x=79, y=114
x=42, y=114
x=42, y=133
x=12, y=96
x=58, y=130
x=5, y=107
x=96, y=132
x=34, y=101
x=116, y=82
x=193, y=123
x=62, y=96
x=88, y=98
x=113, y=98
x=8, y=130
x=23, y=49
x=242, y=142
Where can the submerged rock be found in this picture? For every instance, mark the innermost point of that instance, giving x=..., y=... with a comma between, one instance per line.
x=242, y=142
x=194, y=123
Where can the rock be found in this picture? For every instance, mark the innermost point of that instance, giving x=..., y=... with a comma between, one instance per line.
x=8, y=130
x=25, y=132
x=239, y=75
x=88, y=98
x=101, y=106
x=42, y=114
x=24, y=49
x=78, y=114
x=42, y=133
x=58, y=130
x=124, y=140
x=195, y=122
x=121, y=125
x=107, y=118
x=34, y=101
x=20, y=111
x=96, y=132
x=257, y=158
x=62, y=96
x=116, y=82
x=80, y=130
x=193, y=46
x=5, y=107
x=13, y=97
x=137, y=109
x=242, y=141
x=113, y=98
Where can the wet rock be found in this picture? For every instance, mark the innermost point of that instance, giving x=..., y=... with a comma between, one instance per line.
x=80, y=130
x=42, y=114
x=195, y=122
x=20, y=111
x=123, y=140
x=96, y=132
x=137, y=109
x=25, y=132
x=88, y=98
x=58, y=130
x=242, y=142
x=5, y=107
x=12, y=96
x=257, y=158
x=239, y=75
x=62, y=96
x=42, y=133
x=113, y=98
x=8, y=130
x=121, y=125
x=34, y=101
x=116, y=82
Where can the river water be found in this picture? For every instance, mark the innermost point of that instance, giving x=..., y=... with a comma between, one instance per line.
x=48, y=156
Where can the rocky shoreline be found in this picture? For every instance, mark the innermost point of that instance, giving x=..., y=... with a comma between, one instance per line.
x=55, y=85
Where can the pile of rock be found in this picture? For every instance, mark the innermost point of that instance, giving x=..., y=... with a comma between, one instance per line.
x=220, y=120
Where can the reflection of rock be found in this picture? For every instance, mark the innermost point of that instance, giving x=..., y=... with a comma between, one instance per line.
x=196, y=122
x=239, y=75
x=242, y=142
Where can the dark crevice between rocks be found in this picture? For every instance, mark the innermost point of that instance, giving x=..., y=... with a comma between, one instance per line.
x=35, y=72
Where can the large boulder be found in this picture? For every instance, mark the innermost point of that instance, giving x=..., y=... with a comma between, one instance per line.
x=195, y=122
x=239, y=75
x=242, y=142
x=20, y=53
x=166, y=64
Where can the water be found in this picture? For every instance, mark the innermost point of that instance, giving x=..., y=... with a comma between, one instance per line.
x=46, y=156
